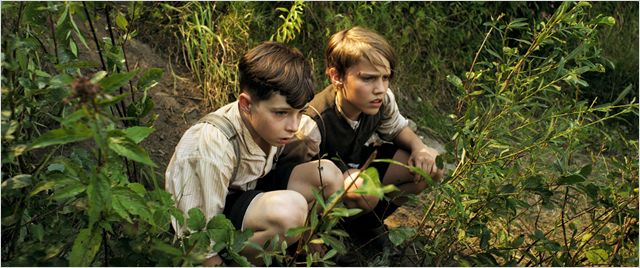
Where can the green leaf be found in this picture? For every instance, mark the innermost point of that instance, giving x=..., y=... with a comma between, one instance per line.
x=571, y=179
x=137, y=188
x=62, y=136
x=72, y=189
x=177, y=214
x=128, y=149
x=196, y=220
x=219, y=221
x=42, y=186
x=439, y=162
x=329, y=254
x=73, y=47
x=132, y=202
x=297, y=231
x=85, y=247
x=137, y=134
x=166, y=248
x=116, y=81
x=240, y=260
x=38, y=231
x=344, y=212
x=319, y=198
x=610, y=21
x=17, y=182
x=120, y=209
x=597, y=256
x=507, y=189
x=455, y=80
x=63, y=16
x=401, y=234
x=622, y=94
x=73, y=117
x=121, y=22
x=585, y=171
x=333, y=242
x=150, y=78
x=99, y=194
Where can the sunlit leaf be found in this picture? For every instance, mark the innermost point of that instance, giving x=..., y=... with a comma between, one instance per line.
x=130, y=150
x=85, y=247
x=116, y=81
x=150, y=78
x=400, y=234
x=17, y=182
x=137, y=133
x=75, y=133
x=597, y=256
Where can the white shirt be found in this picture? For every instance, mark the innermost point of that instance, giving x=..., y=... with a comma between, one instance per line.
x=199, y=172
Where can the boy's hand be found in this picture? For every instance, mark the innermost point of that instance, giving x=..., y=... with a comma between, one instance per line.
x=425, y=158
x=212, y=261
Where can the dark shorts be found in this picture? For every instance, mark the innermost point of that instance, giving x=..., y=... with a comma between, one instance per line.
x=238, y=201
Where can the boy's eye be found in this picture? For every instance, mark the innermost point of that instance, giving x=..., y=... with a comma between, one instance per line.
x=280, y=113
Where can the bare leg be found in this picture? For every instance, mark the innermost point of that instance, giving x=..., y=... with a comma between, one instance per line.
x=402, y=178
x=273, y=213
x=306, y=177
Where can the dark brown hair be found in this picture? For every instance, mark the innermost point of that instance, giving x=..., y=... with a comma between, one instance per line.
x=347, y=47
x=273, y=67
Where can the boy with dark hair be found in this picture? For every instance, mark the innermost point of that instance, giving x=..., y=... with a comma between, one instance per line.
x=350, y=114
x=226, y=163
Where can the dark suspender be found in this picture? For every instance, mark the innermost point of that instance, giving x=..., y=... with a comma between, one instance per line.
x=223, y=124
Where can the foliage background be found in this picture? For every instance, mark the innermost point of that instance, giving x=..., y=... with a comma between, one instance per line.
x=568, y=196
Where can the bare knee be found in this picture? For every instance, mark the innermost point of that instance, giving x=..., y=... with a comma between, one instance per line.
x=330, y=177
x=355, y=200
x=287, y=209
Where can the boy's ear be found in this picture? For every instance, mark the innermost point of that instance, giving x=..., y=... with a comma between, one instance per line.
x=335, y=77
x=244, y=102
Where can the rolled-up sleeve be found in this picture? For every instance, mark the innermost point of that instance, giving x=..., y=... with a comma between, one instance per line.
x=392, y=121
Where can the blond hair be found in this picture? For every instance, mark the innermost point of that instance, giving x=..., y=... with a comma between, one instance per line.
x=347, y=47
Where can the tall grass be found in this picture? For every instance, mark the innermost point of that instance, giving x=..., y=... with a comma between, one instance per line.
x=214, y=36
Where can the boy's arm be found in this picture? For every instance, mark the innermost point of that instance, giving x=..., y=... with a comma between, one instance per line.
x=422, y=156
x=200, y=180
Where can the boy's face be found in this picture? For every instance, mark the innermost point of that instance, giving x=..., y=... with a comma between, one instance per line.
x=365, y=86
x=272, y=122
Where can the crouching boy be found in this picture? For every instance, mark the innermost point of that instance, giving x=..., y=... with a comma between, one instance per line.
x=227, y=162
x=354, y=108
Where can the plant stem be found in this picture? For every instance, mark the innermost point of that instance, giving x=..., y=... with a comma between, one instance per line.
x=53, y=37
x=120, y=105
x=564, y=230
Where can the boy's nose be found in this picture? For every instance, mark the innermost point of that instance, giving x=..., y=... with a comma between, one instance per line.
x=379, y=87
x=292, y=124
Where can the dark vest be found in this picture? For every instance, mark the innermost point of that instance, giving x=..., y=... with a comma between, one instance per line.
x=338, y=138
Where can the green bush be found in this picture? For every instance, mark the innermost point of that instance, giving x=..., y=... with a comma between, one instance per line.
x=536, y=103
